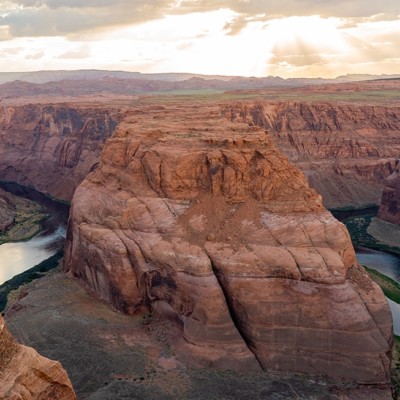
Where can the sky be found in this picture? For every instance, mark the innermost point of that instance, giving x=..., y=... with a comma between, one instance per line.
x=287, y=38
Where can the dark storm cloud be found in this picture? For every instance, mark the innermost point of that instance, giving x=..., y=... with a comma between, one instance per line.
x=63, y=17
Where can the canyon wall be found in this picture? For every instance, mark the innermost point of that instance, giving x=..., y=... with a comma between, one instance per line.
x=202, y=220
x=389, y=209
x=52, y=147
x=346, y=151
x=24, y=374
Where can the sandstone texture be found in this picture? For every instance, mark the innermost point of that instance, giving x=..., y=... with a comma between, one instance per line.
x=52, y=147
x=24, y=374
x=200, y=219
x=389, y=209
x=345, y=150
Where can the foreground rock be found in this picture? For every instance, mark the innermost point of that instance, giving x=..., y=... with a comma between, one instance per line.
x=389, y=209
x=204, y=222
x=24, y=374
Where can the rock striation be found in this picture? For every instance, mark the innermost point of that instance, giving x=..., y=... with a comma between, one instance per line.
x=345, y=150
x=199, y=218
x=389, y=209
x=24, y=374
x=52, y=147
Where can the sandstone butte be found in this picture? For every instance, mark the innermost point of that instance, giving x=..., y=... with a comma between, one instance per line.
x=24, y=374
x=199, y=218
x=389, y=209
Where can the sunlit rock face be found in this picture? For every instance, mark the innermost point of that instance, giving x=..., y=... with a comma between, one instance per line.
x=24, y=374
x=389, y=209
x=53, y=147
x=202, y=220
x=346, y=151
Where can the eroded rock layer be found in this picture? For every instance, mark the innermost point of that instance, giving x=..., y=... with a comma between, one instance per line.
x=52, y=147
x=346, y=151
x=203, y=221
x=24, y=374
x=389, y=209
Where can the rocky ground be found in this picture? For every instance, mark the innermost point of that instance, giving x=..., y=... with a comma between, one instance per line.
x=112, y=356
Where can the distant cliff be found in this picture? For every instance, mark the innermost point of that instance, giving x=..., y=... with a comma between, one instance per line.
x=52, y=147
x=346, y=151
x=389, y=210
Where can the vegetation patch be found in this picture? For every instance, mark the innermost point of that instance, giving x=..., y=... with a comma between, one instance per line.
x=28, y=216
x=390, y=287
x=27, y=276
x=358, y=229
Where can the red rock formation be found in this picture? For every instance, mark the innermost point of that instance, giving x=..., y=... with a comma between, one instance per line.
x=24, y=374
x=204, y=221
x=52, y=147
x=346, y=151
x=389, y=209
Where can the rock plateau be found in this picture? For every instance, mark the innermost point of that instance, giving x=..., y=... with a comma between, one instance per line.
x=24, y=374
x=200, y=219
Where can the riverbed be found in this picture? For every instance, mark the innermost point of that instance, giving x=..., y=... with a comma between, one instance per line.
x=19, y=256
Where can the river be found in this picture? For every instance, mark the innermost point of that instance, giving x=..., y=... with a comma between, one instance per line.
x=385, y=263
x=19, y=256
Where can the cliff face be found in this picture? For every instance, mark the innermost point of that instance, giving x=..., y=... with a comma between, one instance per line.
x=203, y=221
x=24, y=374
x=346, y=151
x=389, y=209
x=52, y=147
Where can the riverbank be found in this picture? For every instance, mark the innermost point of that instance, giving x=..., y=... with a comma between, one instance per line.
x=28, y=216
x=36, y=272
x=369, y=232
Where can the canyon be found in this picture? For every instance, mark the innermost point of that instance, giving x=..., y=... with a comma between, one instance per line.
x=52, y=147
x=188, y=210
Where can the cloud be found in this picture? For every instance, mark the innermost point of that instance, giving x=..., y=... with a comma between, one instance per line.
x=76, y=53
x=66, y=17
x=63, y=18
